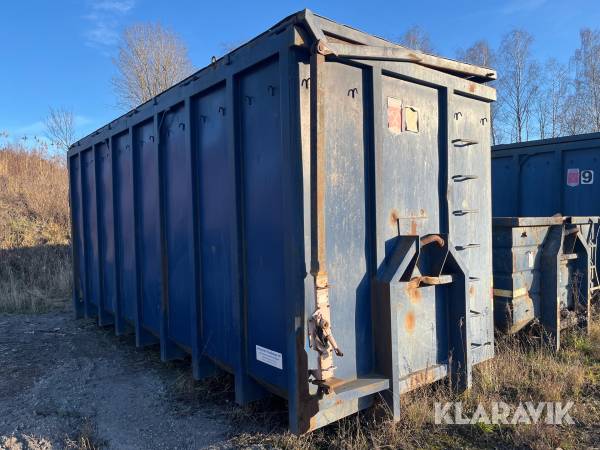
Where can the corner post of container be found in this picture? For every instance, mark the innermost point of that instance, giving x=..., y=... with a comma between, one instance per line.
x=78, y=304
x=202, y=367
x=246, y=388
x=320, y=324
x=168, y=349
x=296, y=357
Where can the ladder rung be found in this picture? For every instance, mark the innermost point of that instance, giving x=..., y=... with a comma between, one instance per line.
x=464, y=142
x=442, y=279
x=567, y=256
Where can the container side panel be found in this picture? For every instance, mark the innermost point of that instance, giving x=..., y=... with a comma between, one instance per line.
x=260, y=133
x=533, y=193
x=107, y=235
x=216, y=181
x=125, y=225
x=179, y=225
x=147, y=185
x=90, y=227
x=408, y=204
x=504, y=185
x=469, y=193
x=581, y=199
x=346, y=222
x=78, y=233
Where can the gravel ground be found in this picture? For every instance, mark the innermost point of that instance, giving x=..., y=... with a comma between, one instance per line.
x=67, y=383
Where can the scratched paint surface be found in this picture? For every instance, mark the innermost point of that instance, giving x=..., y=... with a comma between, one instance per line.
x=346, y=227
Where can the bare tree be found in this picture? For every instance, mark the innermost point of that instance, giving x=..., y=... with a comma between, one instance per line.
x=151, y=59
x=60, y=127
x=571, y=121
x=549, y=102
x=417, y=39
x=587, y=79
x=481, y=54
x=518, y=83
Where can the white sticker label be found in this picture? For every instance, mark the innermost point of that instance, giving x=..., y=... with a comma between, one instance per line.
x=269, y=357
x=587, y=176
x=530, y=259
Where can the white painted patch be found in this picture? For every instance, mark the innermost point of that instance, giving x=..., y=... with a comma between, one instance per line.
x=270, y=357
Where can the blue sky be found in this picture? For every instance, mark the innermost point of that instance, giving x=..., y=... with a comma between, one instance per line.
x=58, y=52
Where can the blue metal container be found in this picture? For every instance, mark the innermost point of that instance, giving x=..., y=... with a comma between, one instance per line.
x=547, y=177
x=311, y=212
x=542, y=271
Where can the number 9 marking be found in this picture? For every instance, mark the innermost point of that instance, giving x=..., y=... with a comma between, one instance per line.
x=587, y=177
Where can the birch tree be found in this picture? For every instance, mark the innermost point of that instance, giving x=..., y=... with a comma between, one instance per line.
x=551, y=98
x=517, y=83
x=482, y=54
x=587, y=79
x=417, y=39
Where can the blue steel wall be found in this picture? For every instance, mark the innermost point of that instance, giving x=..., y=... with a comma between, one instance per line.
x=530, y=179
x=184, y=224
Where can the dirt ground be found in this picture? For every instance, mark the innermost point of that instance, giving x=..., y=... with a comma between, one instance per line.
x=67, y=383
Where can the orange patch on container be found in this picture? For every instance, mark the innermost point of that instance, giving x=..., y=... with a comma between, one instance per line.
x=421, y=379
x=472, y=291
x=413, y=227
x=412, y=289
x=394, y=218
x=409, y=321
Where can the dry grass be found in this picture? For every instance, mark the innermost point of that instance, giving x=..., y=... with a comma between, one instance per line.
x=34, y=231
x=85, y=438
x=522, y=371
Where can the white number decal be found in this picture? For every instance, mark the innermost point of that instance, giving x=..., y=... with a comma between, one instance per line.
x=587, y=177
